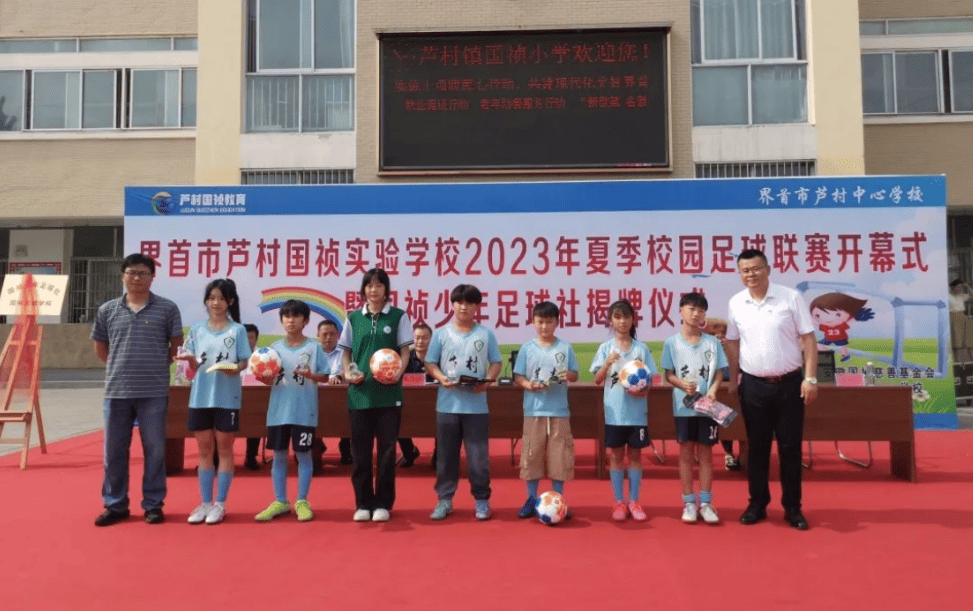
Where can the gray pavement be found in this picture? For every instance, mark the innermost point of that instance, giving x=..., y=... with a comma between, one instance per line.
x=70, y=402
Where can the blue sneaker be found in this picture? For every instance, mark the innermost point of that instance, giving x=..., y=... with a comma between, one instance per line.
x=528, y=510
x=443, y=508
x=483, y=509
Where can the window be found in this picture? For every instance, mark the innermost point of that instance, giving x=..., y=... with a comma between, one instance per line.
x=917, y=82
x=881, y=27
x=96, y=259
x=301, y=65
x=749, y=63
x=755, y=169
x=96, y=45
x=97, y=99
x=297, y=177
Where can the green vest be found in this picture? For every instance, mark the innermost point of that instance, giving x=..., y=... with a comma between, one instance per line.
x=368, y=336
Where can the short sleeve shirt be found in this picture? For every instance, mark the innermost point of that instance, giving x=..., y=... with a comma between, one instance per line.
x=138, y=346
x=693, y=363
x=769, y=330
x=621, y=408
x=294, y=398
x=210, y=347
x=537, y=362
x=459, y=354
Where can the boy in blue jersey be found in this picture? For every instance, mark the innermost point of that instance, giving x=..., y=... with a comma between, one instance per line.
x=463, y=350
x=693, y=362
x=292, y=414
x=543, y=368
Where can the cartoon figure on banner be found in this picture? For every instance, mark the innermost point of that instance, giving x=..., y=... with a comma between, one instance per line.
x=834, y=313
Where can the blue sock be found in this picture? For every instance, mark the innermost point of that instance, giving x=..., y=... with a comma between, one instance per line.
x=532, y=485
x=304, y=471
x=223, y=480
x=558, y=486
x=278, y=473
x=634, y=482
x=688, y=498
x=618, y=483
x=705, y=497
x=206, y=484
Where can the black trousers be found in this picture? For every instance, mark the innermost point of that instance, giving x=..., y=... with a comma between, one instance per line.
x=367, y=426
x=773, y=409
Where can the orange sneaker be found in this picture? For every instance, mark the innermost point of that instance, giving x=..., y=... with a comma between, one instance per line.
x=619, y=512
x=637, y=513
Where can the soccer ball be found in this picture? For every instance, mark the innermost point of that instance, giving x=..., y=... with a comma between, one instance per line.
x=635, y=378
x=384, y=365
x=265, y=363
x=551, y=508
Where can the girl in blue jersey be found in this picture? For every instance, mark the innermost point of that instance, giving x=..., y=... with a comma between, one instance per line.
x=217, y=349
x=626, y=416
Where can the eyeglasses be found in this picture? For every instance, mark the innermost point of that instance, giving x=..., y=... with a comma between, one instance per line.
x=138, y=275
x=752, y=271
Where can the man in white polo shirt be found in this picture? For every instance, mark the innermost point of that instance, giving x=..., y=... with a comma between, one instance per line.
x=769, y=336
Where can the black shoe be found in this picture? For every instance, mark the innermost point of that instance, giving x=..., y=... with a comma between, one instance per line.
x=110, y=516
x=346, y=459
x=155, y=516
x=752, y=515
x=409, y=459
x=251, y=463
x=796, y=519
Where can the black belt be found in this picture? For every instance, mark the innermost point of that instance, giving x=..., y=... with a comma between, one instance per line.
x=775, y=379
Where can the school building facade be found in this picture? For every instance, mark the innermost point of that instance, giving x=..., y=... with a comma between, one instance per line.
x=94, y=97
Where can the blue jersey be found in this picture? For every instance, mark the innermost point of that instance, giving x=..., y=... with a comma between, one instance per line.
x=540, y=363
x=459, y=354
x=294, y=398
x=621, y=408
x=210, y=347
x=692, y=363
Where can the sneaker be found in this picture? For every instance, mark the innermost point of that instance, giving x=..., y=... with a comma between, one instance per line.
x=303, y=510
x=731, y=463
x=483, y=510
x=198, y=516
x=709, y=514
x=689, y=513
x=638, y=514
x=362, y=515
x=216, y=513
x=381, y=515
x=277, y=508
x=110, y=516
x=443, y=508
x=528, y=510
x=619, y=511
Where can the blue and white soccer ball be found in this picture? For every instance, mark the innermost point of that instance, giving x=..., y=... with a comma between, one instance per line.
x=635, y=378
x=551, y=508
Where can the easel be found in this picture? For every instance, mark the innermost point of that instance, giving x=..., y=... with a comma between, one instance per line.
x=20, y=367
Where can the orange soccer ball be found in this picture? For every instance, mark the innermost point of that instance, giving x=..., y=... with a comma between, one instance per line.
x=385, y=365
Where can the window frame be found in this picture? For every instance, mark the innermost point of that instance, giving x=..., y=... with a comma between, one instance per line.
x=749, y=62
x=952, y=90
x=253, y=45
x=940, y=84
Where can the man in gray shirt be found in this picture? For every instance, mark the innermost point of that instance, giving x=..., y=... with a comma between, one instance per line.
x=137, y=336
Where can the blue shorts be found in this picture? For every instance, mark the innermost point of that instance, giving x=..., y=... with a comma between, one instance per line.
x=219, y=418
x=619, y=436
x=279, y=436
x=697, y=429
x=836, y=342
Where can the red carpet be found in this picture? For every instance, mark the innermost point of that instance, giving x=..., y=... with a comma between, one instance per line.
x=874, y=543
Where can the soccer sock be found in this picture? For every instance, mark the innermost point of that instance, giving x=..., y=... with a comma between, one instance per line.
x=278, y=473
x=705, y=497
x=206, y=484
x=223, y=481
x=618, y=483
x=688, y=498
x=304, y=471
x=558, y=485
x=634, y=482
x=532, y=485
